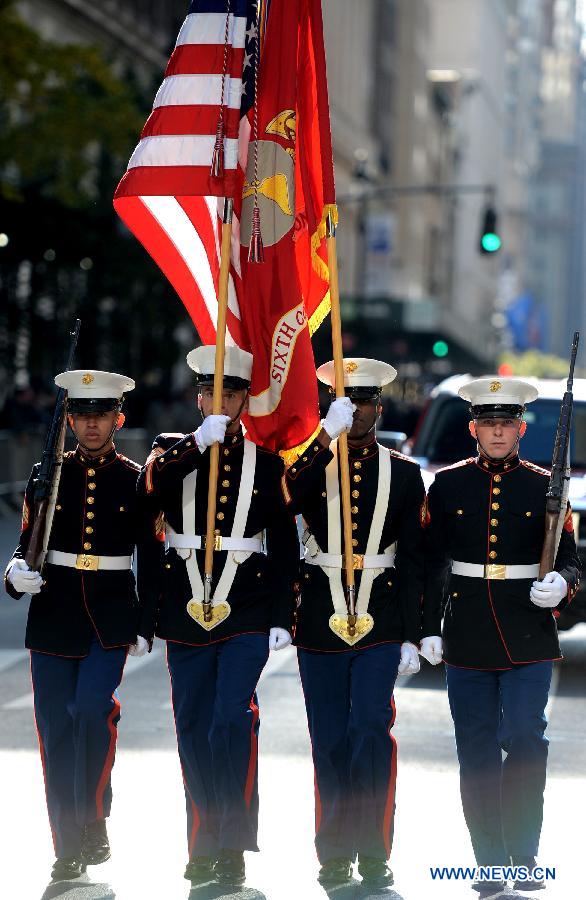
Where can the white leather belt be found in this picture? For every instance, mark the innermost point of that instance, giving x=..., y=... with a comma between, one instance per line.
x=361, y=561
x=196, y=542
x=87, y=562
x=494, y=571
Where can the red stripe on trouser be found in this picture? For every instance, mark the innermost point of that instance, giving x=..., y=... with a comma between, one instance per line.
x=195, y=818
x=317, y=802
x=253, y=755
x=390, y=804
x=43, y=760
x=107, y=770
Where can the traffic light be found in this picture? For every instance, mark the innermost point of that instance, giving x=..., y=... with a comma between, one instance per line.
x=440, y=349
x=490, y=240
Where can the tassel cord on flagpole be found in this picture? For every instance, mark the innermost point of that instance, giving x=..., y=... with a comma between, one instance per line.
x=217, y=400
x=343, y=439
x=256, y=249
x=217, y=168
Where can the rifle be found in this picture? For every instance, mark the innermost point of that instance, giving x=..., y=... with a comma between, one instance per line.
x=47, y=480
x=557, y=492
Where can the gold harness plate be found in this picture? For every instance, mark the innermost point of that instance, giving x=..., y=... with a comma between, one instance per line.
x=220, y=611
x=87, y=563
x=339, y=625
x=494, y=571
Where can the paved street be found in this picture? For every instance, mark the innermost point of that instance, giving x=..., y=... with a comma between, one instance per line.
x=147, y=823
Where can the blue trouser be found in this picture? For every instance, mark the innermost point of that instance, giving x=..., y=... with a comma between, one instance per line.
x=350, y=713
x=77, y=712
x=496, y=711
x=217, y=722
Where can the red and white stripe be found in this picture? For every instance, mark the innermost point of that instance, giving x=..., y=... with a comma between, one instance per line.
x=167, y=197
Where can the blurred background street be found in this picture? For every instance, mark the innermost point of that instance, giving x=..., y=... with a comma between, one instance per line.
x=458, y=131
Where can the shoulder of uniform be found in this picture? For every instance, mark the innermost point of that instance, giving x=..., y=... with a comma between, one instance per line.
x=69, y=454
x=534, y=468
x=457, y=465
x=129, y=463
x=271, y=457
x=396, y=455
x=176, y=450
x=268, y=454
x=167, y=439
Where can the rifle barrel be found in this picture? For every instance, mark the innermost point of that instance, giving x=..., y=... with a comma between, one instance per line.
x=574, y=353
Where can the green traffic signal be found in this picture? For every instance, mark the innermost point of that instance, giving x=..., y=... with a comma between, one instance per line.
x=440, y=348
x=489, y=238
x=491, y=242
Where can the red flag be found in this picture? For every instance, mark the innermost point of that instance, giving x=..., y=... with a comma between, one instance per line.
x=274, y=305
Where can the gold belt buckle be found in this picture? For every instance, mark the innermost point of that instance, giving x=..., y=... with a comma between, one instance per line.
x=494, y=571
x=217, y=542
x=357, y=560
x=87, y=563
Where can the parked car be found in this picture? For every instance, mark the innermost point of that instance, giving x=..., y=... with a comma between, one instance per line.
x=442, y=438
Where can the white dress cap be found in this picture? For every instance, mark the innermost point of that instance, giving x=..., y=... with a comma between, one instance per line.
x=497, y=390
x=237, y=362
x=90, y=384
x=359, y=372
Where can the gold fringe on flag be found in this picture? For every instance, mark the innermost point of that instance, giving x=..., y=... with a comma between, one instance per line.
x=292, y=455
x=319, y=314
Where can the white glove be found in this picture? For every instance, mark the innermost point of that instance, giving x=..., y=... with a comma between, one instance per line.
x=409, y=663
x=140, y=648
x=549, y=592
x=278, y=638
x=211, y=430
x=431, y=649
x=23, y=579
x=339, y=417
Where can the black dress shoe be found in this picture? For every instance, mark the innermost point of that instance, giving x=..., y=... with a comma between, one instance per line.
x=335, y=871
x=95, y=847
x=487, y=889
x=375, y=872
x=531, y=883
x=199, y=869
x=229, y=868
x=66, y=867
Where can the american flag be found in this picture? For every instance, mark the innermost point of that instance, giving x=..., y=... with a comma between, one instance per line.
x=172, y=203
x=168, y=197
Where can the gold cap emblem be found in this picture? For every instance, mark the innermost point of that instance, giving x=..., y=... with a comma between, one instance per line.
x=495, y=386
x=87, y=378
x=350, y=367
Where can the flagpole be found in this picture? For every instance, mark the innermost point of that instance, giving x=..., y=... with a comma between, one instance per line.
x=225, y=251
x=343, y=439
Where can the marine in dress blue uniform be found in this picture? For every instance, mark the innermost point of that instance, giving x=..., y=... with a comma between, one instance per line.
x=485, y=530
x=348, y=682
x=214, y=670
x=84, y=614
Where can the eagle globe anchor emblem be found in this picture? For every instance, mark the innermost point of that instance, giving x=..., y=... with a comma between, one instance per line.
x=219, y=613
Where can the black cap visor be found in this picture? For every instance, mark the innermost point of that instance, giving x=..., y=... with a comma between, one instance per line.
x=231, y=382
x=497, y=411
x=369, y=393
x=89, y=405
